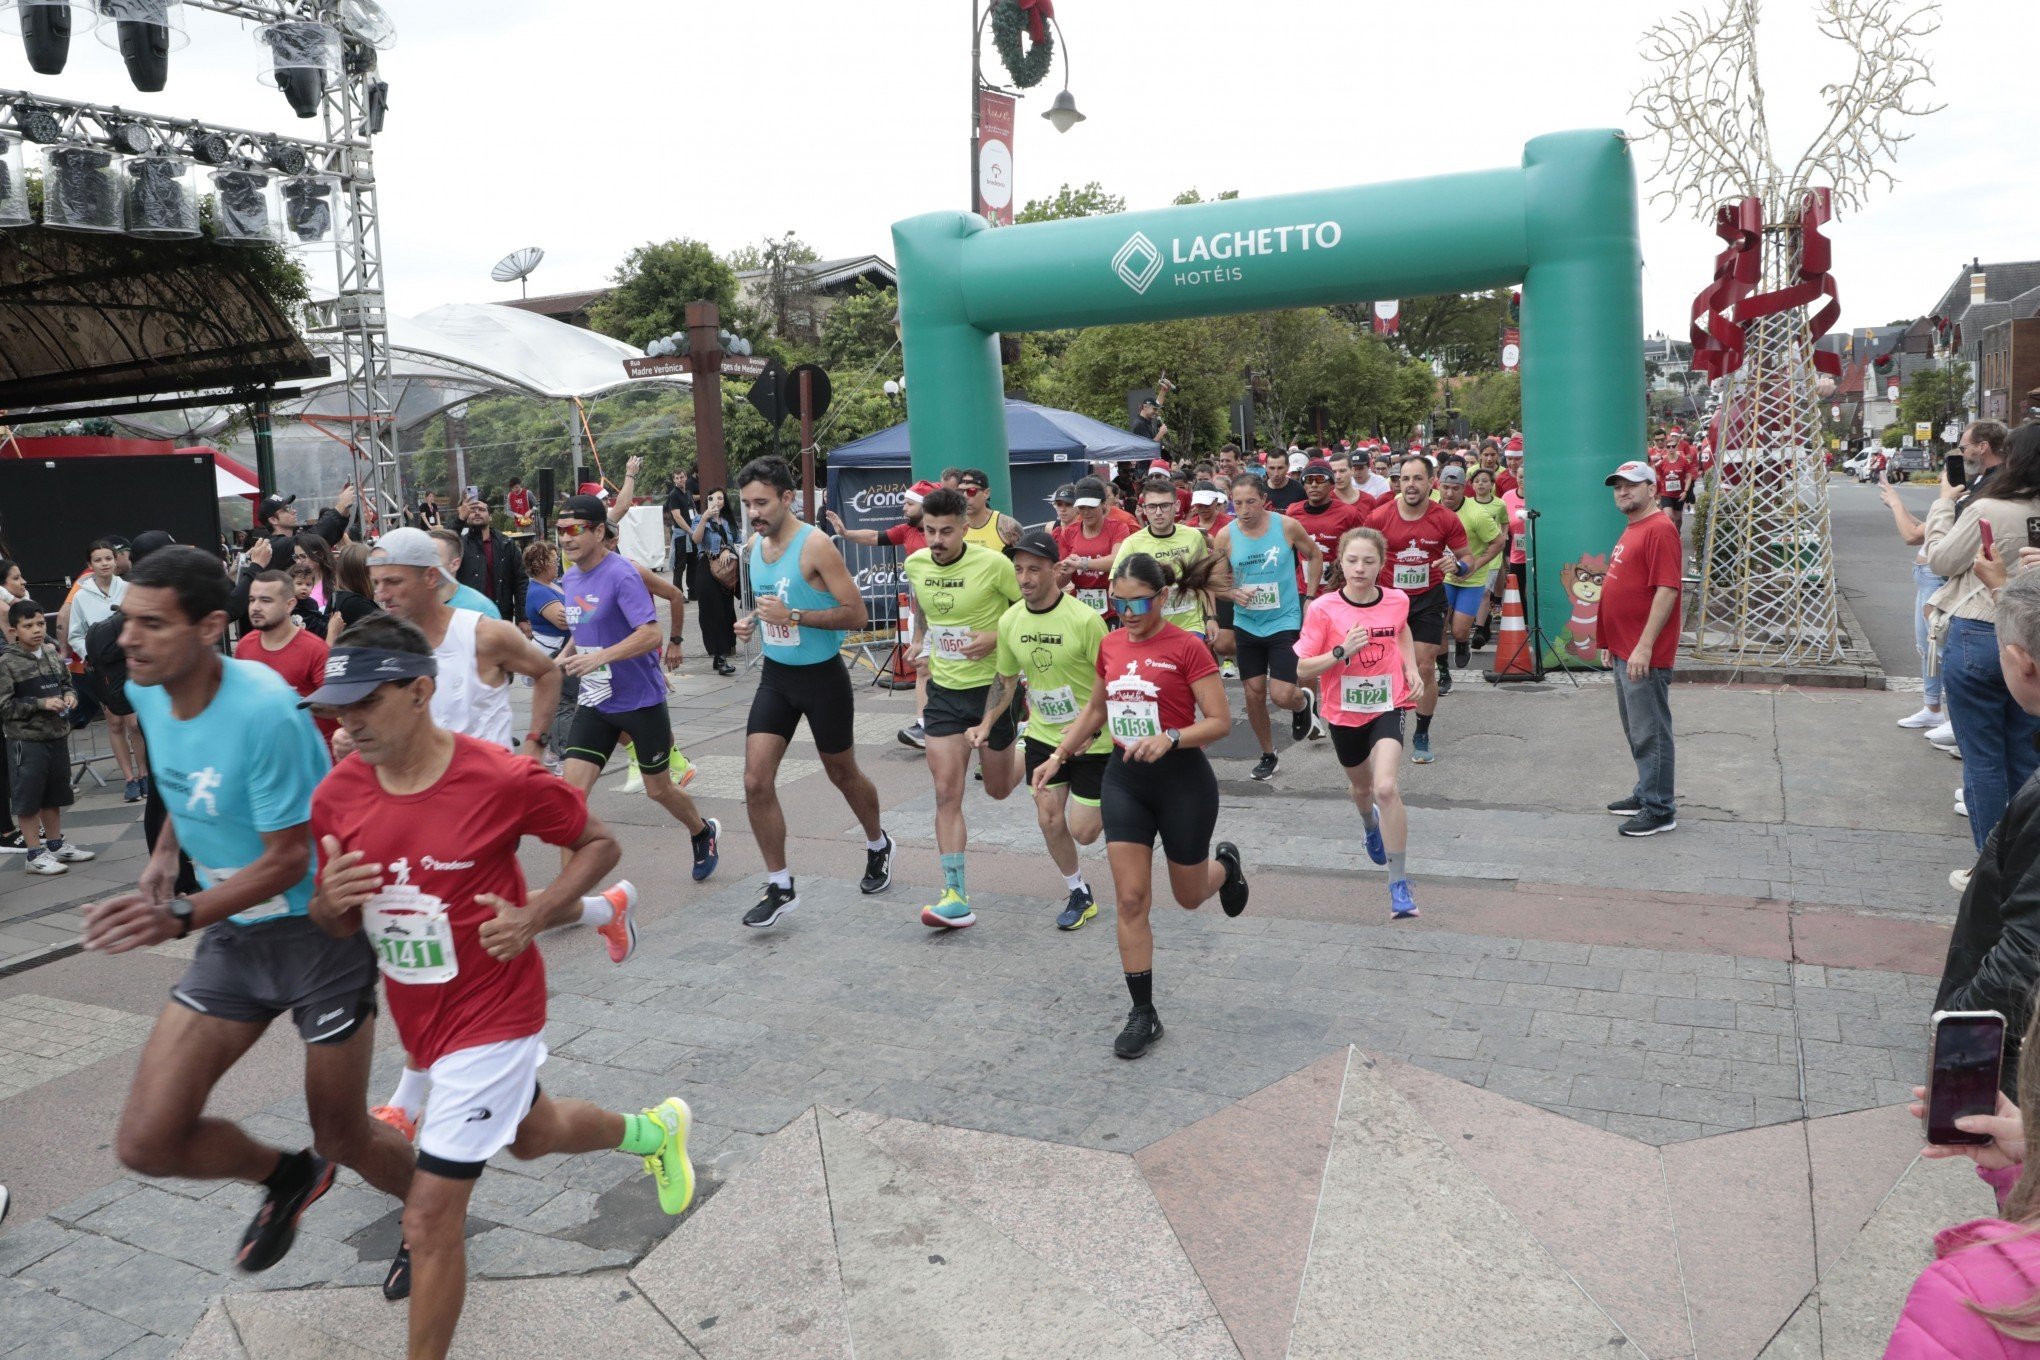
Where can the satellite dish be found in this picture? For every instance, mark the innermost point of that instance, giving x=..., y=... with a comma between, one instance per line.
x=516, y=267
x=365, y=21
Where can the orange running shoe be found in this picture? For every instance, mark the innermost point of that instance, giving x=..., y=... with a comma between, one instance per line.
x=621, y=932
x=396, y=1119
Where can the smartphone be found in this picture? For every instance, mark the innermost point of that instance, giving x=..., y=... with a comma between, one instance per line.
x=2033, y=531
x=1962, y=1073
x=1989, y=538
x=1958, y=471
x=474, y=493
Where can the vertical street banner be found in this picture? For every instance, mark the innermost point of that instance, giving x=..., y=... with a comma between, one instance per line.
x=995, y=157
x=1385, y=317
x=1512, y=348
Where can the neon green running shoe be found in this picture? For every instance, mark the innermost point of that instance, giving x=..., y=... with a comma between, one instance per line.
x=952, y=912
x=669, y=1165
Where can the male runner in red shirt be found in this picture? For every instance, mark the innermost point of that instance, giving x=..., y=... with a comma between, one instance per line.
x=1676, y=471
x=1326, y=518
x=418, y=833
x=1424, y=541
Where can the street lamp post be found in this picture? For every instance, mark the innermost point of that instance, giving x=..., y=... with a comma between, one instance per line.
x=1062, y=113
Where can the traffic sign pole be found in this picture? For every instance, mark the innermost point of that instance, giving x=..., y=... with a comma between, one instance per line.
x=807, y=442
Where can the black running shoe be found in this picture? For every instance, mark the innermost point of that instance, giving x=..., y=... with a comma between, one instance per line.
x=12, y=842
x=1264, y=768
x=877, y=869
x=1444, y=678
x=1232, y=894
x=1649, y=824
x=1626, y=807
x=1480, y=637
x=1143, y=1027
x=396, y=1286
x=1462, y=653
x=707, y=848
x=274, y=1227
x=1299, y=721
x=776, y=902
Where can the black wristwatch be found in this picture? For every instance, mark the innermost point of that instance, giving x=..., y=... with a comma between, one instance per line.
x=180, y=912
x=1339, y=653
x=1175, y=738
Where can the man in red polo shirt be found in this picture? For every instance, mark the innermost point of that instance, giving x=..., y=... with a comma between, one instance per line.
x=1326, y=518
x=1639, y=627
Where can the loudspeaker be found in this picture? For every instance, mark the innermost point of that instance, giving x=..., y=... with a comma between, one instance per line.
x=585, y=475
x=547, y=493
x=51, y=509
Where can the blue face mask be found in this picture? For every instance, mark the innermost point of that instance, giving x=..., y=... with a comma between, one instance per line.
x=1134, y=609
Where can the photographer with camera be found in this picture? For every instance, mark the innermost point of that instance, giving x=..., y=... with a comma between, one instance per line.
x=1965, y=530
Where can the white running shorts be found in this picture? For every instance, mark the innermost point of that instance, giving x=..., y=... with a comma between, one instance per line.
x=479, y=1097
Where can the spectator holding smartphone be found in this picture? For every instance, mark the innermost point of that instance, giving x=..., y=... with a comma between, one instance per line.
x=1994, y=733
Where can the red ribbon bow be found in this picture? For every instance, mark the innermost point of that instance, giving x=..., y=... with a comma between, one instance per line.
x=1717, y=340
x=1038, y=13
x=1816, y=254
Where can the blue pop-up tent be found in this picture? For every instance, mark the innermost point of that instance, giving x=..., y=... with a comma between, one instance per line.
x=868, y=477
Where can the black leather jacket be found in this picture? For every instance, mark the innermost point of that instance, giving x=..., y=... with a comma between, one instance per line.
x=1994, y=953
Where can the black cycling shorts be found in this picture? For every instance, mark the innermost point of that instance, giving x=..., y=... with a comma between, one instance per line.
x=1428, y=612
x=252, y=974
x=952, y=712
x=819, y=692
x=1175, y=798
x=593, y=735
x=1355, y=744
x=1225, y=608
x=1273, y=656
x=1083, y=774
x=111, y=696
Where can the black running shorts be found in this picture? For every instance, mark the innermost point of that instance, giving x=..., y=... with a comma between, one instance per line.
x=252, y=974
x=819, y=692
x=593, y=734
x=1084, y=775
x=1428, y=612
x=1174, y=798
x=1273, y=656
x=1355, y=744
x=952, y=712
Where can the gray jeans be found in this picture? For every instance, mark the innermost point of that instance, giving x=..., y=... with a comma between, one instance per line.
x=1646, y=709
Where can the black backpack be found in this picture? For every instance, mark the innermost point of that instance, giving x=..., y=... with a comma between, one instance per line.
x=103, y=655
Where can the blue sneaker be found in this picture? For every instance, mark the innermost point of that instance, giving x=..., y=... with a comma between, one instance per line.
x=1376, y=851
x=1401, y=905
x=707, y=852
x=1420, y=749
x=1082, y=907
x=951, y=912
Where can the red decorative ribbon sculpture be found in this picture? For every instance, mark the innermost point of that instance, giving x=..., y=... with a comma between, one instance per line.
x=1816, y=253
x=1717, y=340
x=1038, y=13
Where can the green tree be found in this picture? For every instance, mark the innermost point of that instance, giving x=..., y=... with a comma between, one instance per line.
x=858, y=334
x=655, y=283
x=1462, y=330
x=1934, y=396
x=1493, y=403
x=1190, y=195
x=1089, y=201
x=1204, y=356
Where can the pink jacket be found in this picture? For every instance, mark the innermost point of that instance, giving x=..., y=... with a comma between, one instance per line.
x=1987, y=1260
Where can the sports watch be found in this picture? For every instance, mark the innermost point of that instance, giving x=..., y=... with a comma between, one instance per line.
x=1339, y=652
x=1175, y=738
x=180, y=912
x=793, y=617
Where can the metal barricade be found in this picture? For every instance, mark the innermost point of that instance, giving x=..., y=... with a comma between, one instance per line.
x=90, y=748
x=876, y=570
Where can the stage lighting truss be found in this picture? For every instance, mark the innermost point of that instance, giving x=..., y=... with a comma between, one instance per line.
x=13, y=182
x=126, y=133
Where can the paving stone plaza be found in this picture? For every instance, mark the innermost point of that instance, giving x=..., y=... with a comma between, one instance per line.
x=1604, y=1097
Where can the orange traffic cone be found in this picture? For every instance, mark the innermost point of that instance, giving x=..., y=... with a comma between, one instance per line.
x=1514, y=659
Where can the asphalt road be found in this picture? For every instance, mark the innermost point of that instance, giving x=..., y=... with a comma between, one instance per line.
x=1875, y=568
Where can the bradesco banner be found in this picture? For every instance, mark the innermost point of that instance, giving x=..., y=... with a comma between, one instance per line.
x=872, y=498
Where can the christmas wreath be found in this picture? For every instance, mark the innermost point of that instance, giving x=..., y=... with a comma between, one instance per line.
x=1027, y=66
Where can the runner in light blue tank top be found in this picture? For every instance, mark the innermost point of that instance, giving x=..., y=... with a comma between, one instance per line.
x=792, y=645
x=1267, y=566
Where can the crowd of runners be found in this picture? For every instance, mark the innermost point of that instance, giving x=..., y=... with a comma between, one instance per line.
x=331, y=817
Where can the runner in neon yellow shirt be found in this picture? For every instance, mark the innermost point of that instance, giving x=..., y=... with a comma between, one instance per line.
x=1052, y=639
x=1487, y=534
x=961, y=591
x=1166, y=541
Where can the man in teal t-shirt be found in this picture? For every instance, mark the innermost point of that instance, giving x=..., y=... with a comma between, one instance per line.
x=235, y=760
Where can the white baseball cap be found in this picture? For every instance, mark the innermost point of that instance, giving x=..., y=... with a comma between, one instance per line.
x=1632, y=472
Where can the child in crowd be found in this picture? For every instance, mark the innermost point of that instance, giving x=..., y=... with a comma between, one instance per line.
x=35, y=697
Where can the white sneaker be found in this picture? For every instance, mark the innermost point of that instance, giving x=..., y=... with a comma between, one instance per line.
x=1944, y=735
x=1959, y=880
x=73, y=854
x=1961, y=808
x=1926, y=717
x=44, y=863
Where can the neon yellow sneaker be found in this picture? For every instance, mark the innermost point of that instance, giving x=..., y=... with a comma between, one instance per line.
x=681, y=770
x=669, y=1165
x=634, y=782
x=950, y=912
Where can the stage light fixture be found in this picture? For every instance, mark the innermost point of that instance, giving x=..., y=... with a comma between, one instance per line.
x=145, y=32
x=38, y=124
x=378, y=107
x=282, y=156
x=308, y=209
x=132, y=138
x=162, y=203
x=208, y=147
x=13, y=184
x=303, y=60
x=45, y=33
x=81, y=188
x=247, y=213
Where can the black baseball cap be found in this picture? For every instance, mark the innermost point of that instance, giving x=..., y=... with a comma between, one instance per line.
x=587, y=508
x=1038, y=542
x=353, y=673
x=1066, y=494
x=272, y=503
x=146, y=542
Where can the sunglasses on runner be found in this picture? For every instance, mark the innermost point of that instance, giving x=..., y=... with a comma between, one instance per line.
x=1136, y=607
x=572, y=528
x=1316, y=479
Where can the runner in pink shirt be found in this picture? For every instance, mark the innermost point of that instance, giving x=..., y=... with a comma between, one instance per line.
x=1356, y=644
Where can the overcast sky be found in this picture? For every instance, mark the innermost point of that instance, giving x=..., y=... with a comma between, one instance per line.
x=589, y=126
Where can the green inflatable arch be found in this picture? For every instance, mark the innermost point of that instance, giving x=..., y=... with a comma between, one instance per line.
x=1563, y=224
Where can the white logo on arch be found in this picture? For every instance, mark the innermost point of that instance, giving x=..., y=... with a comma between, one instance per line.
x=1137, y=262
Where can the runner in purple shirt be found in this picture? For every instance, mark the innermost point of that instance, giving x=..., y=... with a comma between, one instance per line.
x=615, y=628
